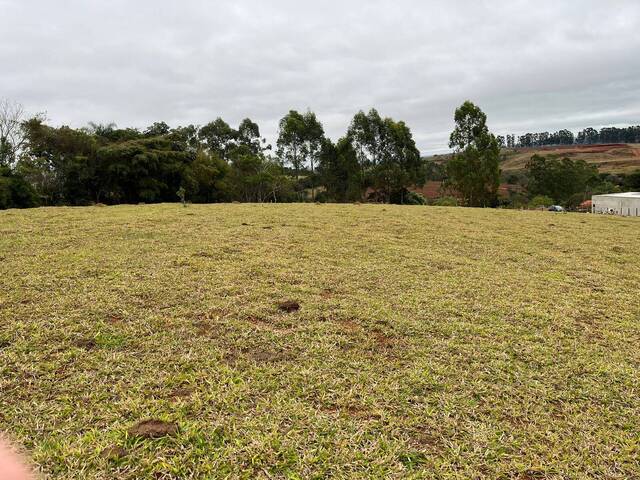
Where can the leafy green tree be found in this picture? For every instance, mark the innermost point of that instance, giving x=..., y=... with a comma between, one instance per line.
x=368, y=136
x=187, y=137
x=632, y=181
x=473, y=170
x=15, y=191
x=203, y=179
x=560, y=179
x=142, y=170
x=291, y=137
x=157, y=129
x=300, y=141
x=248, y=135
x=605, y=187
x=541, y=201
x=387, y=155
x=60, y=163
x=253, y=178
x=218, y=138
x=339, y=171
x=401, y=165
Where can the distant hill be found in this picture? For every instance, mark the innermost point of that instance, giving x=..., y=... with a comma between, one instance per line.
x=610, y=158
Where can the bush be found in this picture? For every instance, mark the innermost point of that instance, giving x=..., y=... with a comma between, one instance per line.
x=516, y=201
x=541, y=201
x=15, y=191
x=414, y=198
x=445, y=202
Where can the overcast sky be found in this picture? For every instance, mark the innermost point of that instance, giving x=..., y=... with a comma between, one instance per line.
x=531, y=65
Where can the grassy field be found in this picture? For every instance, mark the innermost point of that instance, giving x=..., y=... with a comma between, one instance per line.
x=430, y=342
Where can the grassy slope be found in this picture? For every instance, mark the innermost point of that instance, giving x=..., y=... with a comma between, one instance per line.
x=608, y=159
x=431, y=343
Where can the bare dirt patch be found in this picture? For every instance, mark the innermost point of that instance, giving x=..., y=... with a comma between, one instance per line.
x=203, y=327
x=114, y=453
x=209, y=322
x=259, y=321
x=263, y=323
x=426, y=440
x=114, y=319
x=383, y=340
x=257, y=355
x=203, y=255
x=153, y=429
x=327, y=293
x=289, y=306
x=86, y=343
x=349, y=325
x=181, y=392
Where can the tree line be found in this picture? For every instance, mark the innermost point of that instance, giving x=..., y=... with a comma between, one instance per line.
x=45, y=165
x=587, y=136
x=375, y=160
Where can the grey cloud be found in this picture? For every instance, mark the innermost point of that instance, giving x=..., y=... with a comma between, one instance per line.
x=529, y=65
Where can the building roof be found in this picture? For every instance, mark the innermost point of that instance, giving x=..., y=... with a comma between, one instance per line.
x=620, y=195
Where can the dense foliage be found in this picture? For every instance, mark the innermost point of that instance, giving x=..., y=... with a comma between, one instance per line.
x=210, y=163
x=376, y=160
x=474, y=170
x=560, y=179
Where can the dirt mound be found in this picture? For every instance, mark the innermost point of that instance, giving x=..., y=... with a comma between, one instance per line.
x=182, y=392
x=289, y=306
x=153, y=429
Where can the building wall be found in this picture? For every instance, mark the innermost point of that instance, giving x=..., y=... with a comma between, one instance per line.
x=625, y=206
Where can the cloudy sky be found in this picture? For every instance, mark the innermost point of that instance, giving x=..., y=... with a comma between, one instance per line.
x=540, y=65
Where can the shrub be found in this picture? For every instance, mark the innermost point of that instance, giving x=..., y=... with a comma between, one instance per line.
x=15, y=191
x=541, y=201
x=414, y=198
x=446, y=202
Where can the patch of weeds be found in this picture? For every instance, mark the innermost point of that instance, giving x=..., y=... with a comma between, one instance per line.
x=110, y=340
x=413, y=460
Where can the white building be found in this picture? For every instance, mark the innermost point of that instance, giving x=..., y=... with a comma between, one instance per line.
x=626, y=204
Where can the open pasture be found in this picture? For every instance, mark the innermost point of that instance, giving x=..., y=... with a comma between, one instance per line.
x=428, y=343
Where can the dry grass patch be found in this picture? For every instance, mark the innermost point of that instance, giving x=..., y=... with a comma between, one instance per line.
x=424, y=342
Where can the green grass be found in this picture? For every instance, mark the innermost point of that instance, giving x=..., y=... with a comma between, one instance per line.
x=431, y=342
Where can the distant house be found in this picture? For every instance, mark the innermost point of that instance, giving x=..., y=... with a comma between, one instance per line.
x=626, y=204
x=585, y=206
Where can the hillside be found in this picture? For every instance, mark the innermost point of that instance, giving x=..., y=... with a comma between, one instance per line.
x=428, y=343
x=611, y=158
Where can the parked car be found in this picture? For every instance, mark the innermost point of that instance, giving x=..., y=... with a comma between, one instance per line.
x=556, y=208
